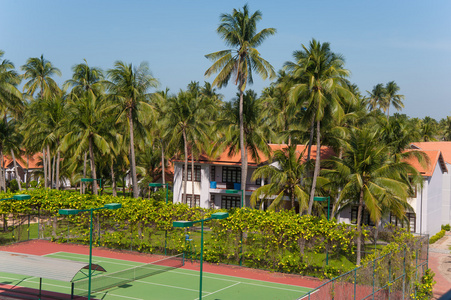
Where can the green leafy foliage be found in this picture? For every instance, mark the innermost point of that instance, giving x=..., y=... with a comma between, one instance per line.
x=424, y=288
x=446, y=227
x=437, y=236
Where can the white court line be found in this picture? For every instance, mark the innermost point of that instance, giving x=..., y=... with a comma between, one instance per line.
x=303, y=297
x=223, y=279
x=30, y=280
x=219, y=290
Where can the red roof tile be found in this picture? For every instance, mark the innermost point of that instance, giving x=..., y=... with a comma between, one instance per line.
x=444, y=147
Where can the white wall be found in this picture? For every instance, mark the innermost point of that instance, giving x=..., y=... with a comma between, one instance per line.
x=446, y=197
x=434, y=202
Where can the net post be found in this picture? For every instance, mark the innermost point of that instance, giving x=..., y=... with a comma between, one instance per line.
x=28, y=229
x=72, y=291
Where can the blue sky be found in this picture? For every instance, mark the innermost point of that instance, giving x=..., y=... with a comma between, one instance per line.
x=405, y=41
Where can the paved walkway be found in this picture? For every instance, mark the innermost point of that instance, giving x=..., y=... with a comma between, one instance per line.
x=440, y=263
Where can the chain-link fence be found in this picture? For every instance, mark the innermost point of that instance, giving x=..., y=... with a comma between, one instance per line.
x=391, y=276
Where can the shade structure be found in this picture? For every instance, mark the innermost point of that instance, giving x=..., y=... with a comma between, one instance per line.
x=182, y=223
x=21, y=197
x=41, y=266
x=113, y=205
x=87, y=180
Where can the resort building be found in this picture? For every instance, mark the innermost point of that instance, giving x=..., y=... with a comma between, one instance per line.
x=217, y=181
x=217, y=184
x=27, y=167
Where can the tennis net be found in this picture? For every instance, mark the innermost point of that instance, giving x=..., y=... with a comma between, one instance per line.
x=106, y=281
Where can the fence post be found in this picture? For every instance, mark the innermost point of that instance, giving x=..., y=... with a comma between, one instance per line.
x=374, y=272
x=355, y=282
x=389, y=276
x=404, y=276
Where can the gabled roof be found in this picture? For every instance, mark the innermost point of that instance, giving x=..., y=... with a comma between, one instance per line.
x=427, y=168
x=41, y=266
x=235, y=159
x=444, y=147
x=33, y=161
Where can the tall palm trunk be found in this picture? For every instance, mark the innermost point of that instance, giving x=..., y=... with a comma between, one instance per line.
x=49, y=165
x=2, y=172
x=16, y=170
x=93, y=166
x=83, y=186
x=317, y=165
x=44, y=163
x=57, y=180
x=113, y=179
x=53, y=172
x=185, y=170
x=132, y=156
x=193, y=201
x=27, y=177
x=242, y=146
x=359, y=227
x=163, y=179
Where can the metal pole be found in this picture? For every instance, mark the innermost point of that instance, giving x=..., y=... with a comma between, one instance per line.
x=90, y=256
x=201, y=256
x=166, y=241
x=241, y=250
x=328, y=208
x=167, y=193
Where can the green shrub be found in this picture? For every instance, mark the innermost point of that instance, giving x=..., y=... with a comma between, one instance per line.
x=446, y=227
x=33, y=183
x=437, y=236
x=423, y=289
x=13, y=186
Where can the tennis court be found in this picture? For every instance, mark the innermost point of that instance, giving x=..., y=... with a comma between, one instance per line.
x=164, y=282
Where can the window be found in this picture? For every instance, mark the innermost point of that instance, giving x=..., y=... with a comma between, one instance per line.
x=366, y=220
x=189, y=201
x=230, y=201
x=213, y=173
x=258, y=181
x=231, y=174
x=196, y=173
x=409, y=224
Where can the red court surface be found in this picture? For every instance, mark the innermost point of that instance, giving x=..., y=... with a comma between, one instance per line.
x=42, y=247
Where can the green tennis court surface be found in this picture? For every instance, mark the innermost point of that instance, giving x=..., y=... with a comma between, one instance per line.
x=173, y=284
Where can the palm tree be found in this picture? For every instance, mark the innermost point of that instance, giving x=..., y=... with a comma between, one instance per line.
x=285, y=174
x=377, y=97
x=320, y=83
x=130, y=86
x=85, y=78
x=372, y=180
x=39, y=71
x=186, y=125
x=10, y=96
x=10, y=141
x=256, y=132
x=90, y=126
x=392, y=97
x=239, y=31
x=46, y=125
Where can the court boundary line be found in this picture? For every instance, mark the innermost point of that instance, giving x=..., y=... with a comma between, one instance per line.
x=227, y=287
x=175, y=271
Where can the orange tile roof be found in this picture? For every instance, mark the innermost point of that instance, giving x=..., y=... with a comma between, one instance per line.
x=235, y=159
x=444, y=147
x=427, y=168
x=22, y=161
